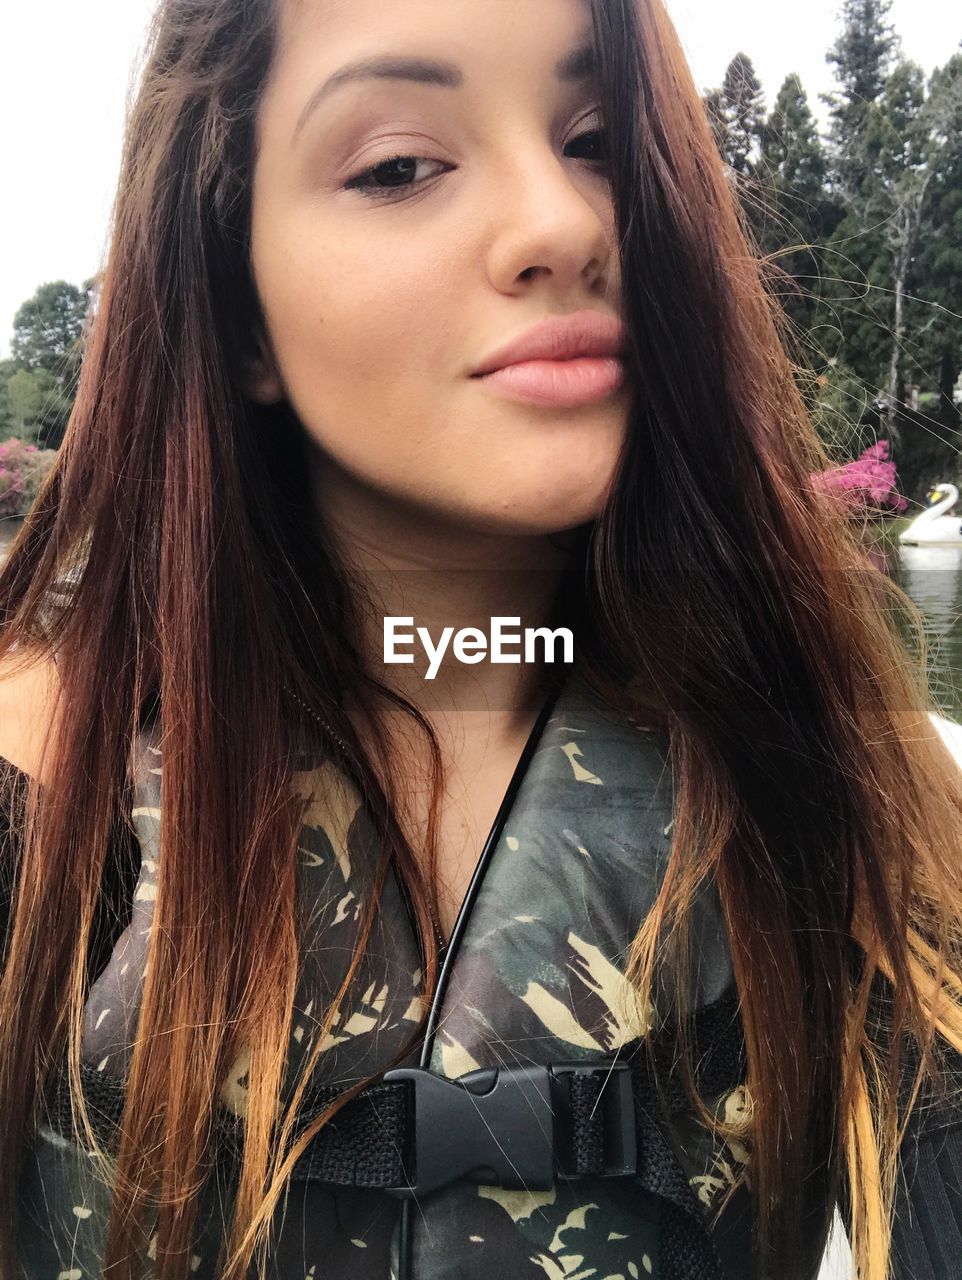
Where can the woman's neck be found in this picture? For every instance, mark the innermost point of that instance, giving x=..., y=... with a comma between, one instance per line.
x=433, y=595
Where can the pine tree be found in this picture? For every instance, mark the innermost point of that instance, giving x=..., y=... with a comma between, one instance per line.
x=743, y=110
x=715, y=111
x=880, y=235
x=897, y=145
x=798, y=212
x=862, y=56
x=933, y=313
x=793, y=158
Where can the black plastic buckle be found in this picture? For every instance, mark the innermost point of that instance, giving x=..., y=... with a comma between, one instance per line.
x=499, y=1126
x=617, y=1102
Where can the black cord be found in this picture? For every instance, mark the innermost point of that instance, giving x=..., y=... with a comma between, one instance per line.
x=405, y=1242
x=449, y=956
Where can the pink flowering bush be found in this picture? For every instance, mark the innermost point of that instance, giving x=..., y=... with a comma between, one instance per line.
x=866, y=485
x=22, y=471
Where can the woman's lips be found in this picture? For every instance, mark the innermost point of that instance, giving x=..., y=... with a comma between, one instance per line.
x=564, y=384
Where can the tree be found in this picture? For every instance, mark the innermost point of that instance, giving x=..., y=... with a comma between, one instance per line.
x=48, y=340
x=897, y=148
x=865, y=486
x=860, y=232
x=715, y=110
x=877, y=240
x=862, y=56
x=933, y=313
x=47, y=327
x=743, y=110
x=28, y=394
x=792, y=152
x=800, y=213
x=23, y=468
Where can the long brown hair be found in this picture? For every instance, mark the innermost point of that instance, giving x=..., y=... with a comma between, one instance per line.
x=716, y=585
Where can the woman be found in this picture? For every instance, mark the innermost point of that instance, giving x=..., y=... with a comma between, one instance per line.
x=331, y=221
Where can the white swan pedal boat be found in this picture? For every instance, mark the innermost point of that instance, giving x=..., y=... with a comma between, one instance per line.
x=934, y=525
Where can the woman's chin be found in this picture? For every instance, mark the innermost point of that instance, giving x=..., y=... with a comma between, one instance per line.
x=535, y=514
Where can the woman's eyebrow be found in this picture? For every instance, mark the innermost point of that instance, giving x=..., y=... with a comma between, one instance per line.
x=576, y=66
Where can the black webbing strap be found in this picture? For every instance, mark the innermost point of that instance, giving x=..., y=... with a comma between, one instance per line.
x=523, y=1128
x=361, y=1146
x=415, y=1131
x=516, y=1127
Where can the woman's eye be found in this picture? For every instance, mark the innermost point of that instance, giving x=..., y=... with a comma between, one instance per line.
x=394, y=175
x=395, y=171
x=600, y=155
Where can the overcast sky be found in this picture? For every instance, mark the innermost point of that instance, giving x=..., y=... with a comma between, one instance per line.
x=65, y=68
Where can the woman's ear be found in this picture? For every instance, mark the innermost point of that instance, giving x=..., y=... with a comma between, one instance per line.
x=262, y=383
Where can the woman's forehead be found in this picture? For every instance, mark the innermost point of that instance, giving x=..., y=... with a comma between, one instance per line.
x=463, y=45
x=469, y=24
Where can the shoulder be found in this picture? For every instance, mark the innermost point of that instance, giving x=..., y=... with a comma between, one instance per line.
x=950, y=733
x=28, y=696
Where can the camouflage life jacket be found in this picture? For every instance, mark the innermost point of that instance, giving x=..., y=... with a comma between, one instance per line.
x=534, y=976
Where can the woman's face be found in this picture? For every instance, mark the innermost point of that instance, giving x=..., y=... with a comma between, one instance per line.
x=382, y=300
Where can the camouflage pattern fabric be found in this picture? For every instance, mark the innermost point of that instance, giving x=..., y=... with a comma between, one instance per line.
x=538, y=977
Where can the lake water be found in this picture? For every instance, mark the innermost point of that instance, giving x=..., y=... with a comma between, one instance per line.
x=9, y=528
x=932, y=578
